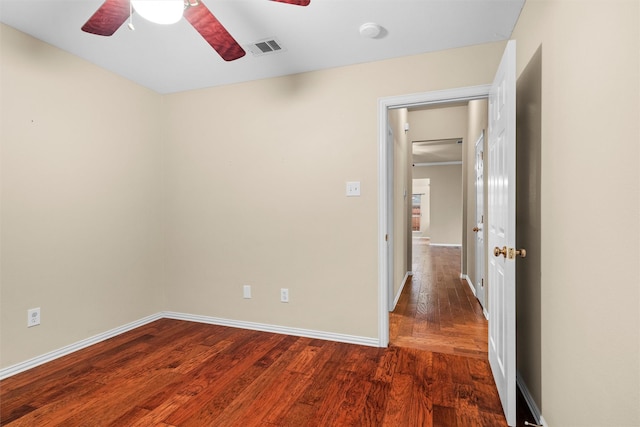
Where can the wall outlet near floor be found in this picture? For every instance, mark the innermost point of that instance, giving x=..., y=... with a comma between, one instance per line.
x=284, y=295
x=246, y=291
x=33, y=317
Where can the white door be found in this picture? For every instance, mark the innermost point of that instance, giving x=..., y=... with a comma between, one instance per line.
x=479, y=228
x=501, y=190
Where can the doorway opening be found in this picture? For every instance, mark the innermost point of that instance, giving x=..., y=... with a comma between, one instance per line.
x=386, y=183
x=437, y=309
x=416, y=212
x=420, y=207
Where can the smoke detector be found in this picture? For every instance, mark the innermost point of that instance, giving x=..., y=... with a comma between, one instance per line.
x=370, y=30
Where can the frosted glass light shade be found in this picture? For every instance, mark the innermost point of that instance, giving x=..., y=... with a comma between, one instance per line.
x=159, y=11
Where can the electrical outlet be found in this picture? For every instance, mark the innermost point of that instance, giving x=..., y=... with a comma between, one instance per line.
x=33, y=317
x=353, y=188
x=246, y=291
x=284, y=295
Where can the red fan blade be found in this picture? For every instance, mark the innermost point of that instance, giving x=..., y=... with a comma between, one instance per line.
x=213, y=32
x=296, y=2
x=108, y=18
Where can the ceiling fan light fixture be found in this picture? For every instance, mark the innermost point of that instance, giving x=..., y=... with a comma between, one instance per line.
x=163, y=12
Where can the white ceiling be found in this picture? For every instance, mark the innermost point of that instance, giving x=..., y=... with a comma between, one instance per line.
x=322, y=35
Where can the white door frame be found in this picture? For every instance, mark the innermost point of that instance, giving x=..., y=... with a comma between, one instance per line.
x=385, y=184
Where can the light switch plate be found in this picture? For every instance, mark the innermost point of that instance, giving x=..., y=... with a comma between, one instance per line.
x=353, y=188
x=33, y=317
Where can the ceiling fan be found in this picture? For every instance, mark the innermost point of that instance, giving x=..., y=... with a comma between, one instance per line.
x=113, y=13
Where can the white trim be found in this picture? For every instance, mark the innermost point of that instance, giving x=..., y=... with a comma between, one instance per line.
x=71, y=348
x=470, y=283
x=79, y=345
x=473, y=289
x=443, y=96
x=404, y=282
x=263, y=327
x=438, y=163
x=384, y=104
x=533, y=407
x=448, y=245
x=383, y=218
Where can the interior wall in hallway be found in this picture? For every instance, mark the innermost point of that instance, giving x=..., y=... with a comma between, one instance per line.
x=401, y=198
x=445, y=202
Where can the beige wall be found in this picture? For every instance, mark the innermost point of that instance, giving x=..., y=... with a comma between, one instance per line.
x=446, y=197
x=440, y=122
x=590, y=189
x=445, y=202
x=80, y=213
x=402, y=198
x=329, y=266
x=148, y=205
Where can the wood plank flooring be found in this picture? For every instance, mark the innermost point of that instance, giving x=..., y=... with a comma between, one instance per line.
x=437, y=310
x=177, y=373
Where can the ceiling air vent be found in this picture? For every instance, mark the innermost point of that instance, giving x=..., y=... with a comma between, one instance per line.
x=265, y=47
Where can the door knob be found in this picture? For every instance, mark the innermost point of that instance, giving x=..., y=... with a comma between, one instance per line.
x=522, y=253
x=497, y=251
x=475, y=229
x=509, y=253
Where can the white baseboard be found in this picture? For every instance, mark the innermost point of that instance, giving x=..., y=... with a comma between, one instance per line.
x=404, y=282
x=79, y=345
x=473, y=288
x=533, y=407
x=263, y=327
x=459, y=245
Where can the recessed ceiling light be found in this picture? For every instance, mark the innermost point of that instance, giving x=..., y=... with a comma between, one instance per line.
x=370, y=30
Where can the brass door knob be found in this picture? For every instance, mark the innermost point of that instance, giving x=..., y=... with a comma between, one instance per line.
x=522, y=253
x=476, y=229
x=497, y=251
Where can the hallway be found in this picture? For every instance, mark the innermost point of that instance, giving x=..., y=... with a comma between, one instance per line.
x=437, y=310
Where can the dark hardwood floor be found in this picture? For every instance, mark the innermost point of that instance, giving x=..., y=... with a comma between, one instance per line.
x=177, y=373
x=437, y=310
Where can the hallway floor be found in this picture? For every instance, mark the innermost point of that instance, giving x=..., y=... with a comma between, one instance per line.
x=437, y=312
